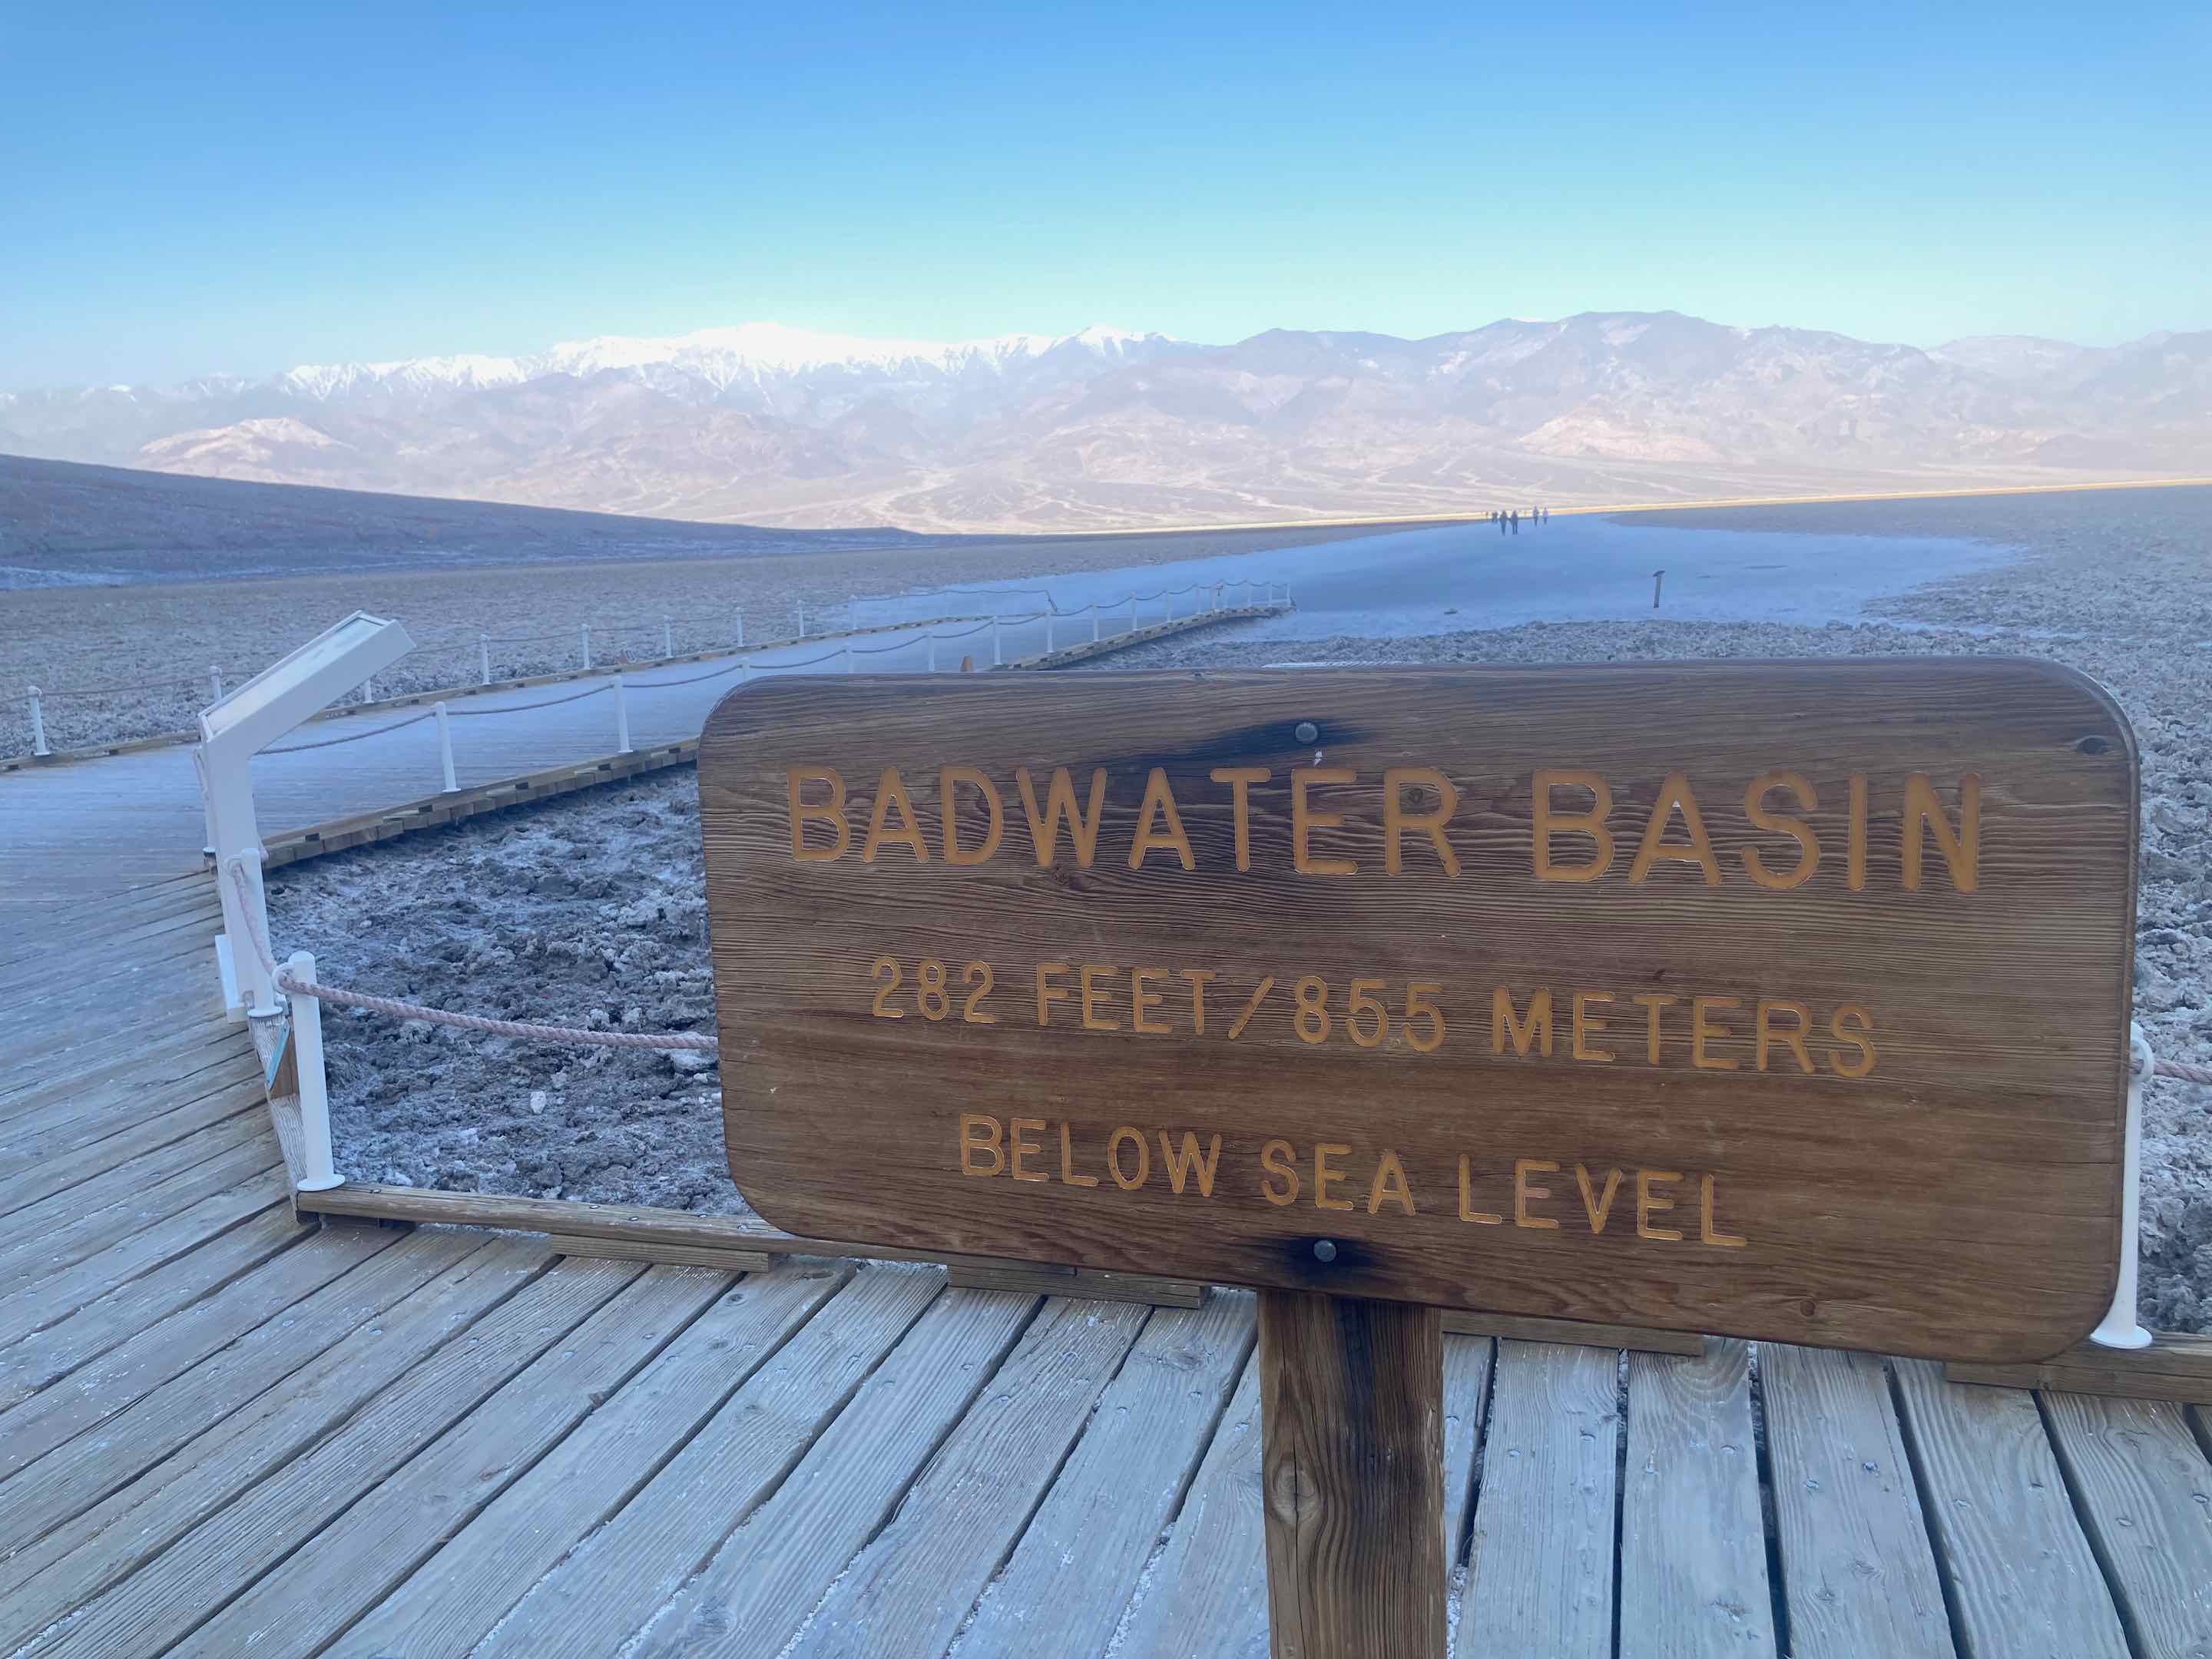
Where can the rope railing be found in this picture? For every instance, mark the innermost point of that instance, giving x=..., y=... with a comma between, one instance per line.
x=351, y=737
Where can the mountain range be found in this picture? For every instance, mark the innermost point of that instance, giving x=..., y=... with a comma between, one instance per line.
x=1103, y=429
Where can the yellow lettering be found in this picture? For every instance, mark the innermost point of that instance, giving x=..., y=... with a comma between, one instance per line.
x=1159, y=801
x=1523, y=1192
x=890, y=793
x=978, y=1135
x=948, y=778
x=1855, y=859
x=1279, y=1162
x=1588, y=1024
x=1648, y=1204
x=1860, y=1039
x=1653, y=1001
x=1962, y=851
x=1142, y=1002
x=1467, y=1210
x=1707, y=1233
x=1674, y=795
x=1599, y=1206
x=1199, y=978
x=1050, y=992
x=1702, y=1033
x=1092, y=995
x=1536, y=1029
x=1305, y=818
x=1068, y=1162
x=1178, y=1168
x=1794, y=1039
x=1548, y=822
x=1809, y=848
x=1390, y=1183
x=804, y=812
x=1396, y=820
x=1324, y=1177
x=1239, y=780
x=1114, y=1145
x=1018, y=1148
x=1059, y=802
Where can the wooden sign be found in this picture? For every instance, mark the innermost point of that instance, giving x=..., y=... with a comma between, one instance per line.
x=1782, y=999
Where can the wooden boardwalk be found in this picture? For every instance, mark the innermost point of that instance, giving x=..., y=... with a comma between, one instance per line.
x=223, y=1433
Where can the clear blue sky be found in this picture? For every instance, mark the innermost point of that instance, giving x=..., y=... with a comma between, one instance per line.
x=240, y=188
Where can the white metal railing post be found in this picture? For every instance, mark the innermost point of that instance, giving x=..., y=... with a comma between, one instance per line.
x=622, y=718
x=445, y=745
x=849, y=656
x=932, y=654
x=1050, y=616
x=741, y=627
x=1094, y=607
x=368, y=690
x=586, y=634
x=38, y=724
x=997, y=655
x=320, y=1172
x=1133, y=613
x=668, y=637
x=215, y=681
x=483, y=655
x=2121, y=1328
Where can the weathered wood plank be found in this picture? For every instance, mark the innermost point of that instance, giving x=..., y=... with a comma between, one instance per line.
x=1063, y=1589
x=83, y=1080
x=1068, y=1281
x=41, y=1360
x=1693, y=1542
x=1351, y=1409
x=2022, y=1577
x=2144, y=1490
x=647, y=1535
x=2176, y=1366
x=60, y=1295
x=618, y=1578
x=1459, y=1321
x=227, y=1092
x=366, y=1552
x=172, y=1594
x=675, y=1255
x=51, y=1240
x=1858, y=1575
x=908, y=1590
x=1542, y=1554
x=69, y=1566
x=759, y=1586
x=200, y=1362
x=67, y=1126
x=1205, y=1591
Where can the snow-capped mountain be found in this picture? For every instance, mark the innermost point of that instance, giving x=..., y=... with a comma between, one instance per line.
x=765, y=424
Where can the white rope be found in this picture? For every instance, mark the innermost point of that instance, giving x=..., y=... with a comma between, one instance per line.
x=285, y=980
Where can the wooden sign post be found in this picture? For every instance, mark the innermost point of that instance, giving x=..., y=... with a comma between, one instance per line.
x=1784, y=1001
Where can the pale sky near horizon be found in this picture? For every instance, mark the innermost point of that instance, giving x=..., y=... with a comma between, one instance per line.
x=185, y=194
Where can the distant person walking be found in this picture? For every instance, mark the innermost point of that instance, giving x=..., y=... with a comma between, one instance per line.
x=1515, y=516
x=1500, y=517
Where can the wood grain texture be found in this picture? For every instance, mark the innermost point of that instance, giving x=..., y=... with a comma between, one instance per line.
x=1094, y=1287
x=1063, y=1589
x=1542, y=1555
x=1692, y=1543
x=909, y=1591
x=1635, y=1338
x=2144, y=1490
x=609, y=1584
x=769, y=1574
x=675, y=1255
x=1858, y=1572
x=1351, y=1402
x=2023, y=1582
x=2176, y=1366
x=1963, y=1194
x=108, y=1542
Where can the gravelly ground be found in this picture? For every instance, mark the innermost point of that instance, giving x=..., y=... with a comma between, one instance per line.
x=591, y=911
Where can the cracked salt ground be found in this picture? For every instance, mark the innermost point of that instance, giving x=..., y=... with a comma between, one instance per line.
x=591, y=911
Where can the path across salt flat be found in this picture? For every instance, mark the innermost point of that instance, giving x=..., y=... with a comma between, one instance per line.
x=139, y=815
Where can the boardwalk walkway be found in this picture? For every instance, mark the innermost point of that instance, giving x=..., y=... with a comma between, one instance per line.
x=223, y=1433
